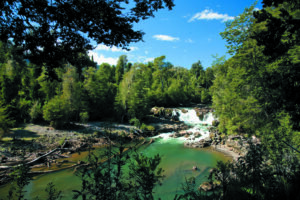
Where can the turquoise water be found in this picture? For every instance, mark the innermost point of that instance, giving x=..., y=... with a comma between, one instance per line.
x=177, y=162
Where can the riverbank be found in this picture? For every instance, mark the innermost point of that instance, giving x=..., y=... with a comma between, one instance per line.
x=33, y=141
x=226, y=150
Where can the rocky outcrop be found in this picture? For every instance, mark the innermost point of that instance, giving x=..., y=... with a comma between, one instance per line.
x=202, y=111
x=200, y=144
x=164, y=128
x=165, y=113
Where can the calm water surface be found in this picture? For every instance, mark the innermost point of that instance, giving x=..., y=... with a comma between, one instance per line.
x=177, y=162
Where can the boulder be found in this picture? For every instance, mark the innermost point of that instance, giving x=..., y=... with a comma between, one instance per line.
x=177, y=134
x=181, y=133
x=197, y=134
x=206, y=186
x=184, y=110
x=156, y=111
x=208, y=139
x=175, y=116
x=187, y=144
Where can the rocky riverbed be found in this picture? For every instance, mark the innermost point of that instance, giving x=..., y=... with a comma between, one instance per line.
x=30, y=142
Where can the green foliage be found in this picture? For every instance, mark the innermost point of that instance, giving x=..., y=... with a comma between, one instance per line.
x=62, y=141
x=239, y=30
x=101, y=90
x=72, y=92
x=5, y=121
x=56, y=111
x=131, y=100
x=107, y=177
x=53, y=193
x=84, y=117
x=261, y=80
x=50, y=28
x=136, y=122
x=49, y=88
x=21, y=178
x=145, y=127
x=120, y=68
x=254, y=176
x=146, y=175
x=36, y=112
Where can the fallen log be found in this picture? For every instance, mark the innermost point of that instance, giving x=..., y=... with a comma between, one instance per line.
x=34, y=161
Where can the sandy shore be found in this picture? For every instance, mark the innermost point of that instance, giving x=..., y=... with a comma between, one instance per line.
x=226, y=150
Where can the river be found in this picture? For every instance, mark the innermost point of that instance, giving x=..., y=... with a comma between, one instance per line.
x=177, y=161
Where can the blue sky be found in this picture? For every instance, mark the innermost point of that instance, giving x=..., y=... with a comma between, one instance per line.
x=186, y=34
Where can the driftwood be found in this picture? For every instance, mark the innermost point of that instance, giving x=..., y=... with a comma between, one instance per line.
x=36, y=160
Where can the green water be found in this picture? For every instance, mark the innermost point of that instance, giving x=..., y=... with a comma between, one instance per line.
x=177, y=161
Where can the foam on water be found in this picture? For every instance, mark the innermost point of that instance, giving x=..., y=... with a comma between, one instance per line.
x=190, y=118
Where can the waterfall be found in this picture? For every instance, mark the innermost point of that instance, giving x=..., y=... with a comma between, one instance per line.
x=208, y=118
x=199, y=128
x=190, y=117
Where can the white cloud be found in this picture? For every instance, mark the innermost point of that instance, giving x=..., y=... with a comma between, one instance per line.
x=102, y=47
x=165, y=38
x=100, y=58
x=210, y=15
x=133, y=48
x=140, y=59
x=146, y=60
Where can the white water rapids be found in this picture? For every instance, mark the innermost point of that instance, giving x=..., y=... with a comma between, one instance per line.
x=198, y=126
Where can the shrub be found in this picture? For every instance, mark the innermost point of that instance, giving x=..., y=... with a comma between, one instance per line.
x=5, y=121
x=136, y=122
x=36, y=112
x=84, y=117
x=56, y=112
x=150, y=128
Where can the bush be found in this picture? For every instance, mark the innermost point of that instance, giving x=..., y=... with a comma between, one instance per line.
x=84, y=117
x=143, y=127
x=136, y=122
x=5, y=122
x=150, y=128
x=36, y=112
x=56, y=112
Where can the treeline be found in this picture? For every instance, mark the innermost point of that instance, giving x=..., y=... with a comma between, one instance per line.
x=86, y=91
x=257, y=90
x=256, y=93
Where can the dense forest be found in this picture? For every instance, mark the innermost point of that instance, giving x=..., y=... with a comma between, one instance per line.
x=255, y=92
x=125, y=91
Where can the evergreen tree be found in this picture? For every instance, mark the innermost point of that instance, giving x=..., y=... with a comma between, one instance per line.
x=120, y=68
